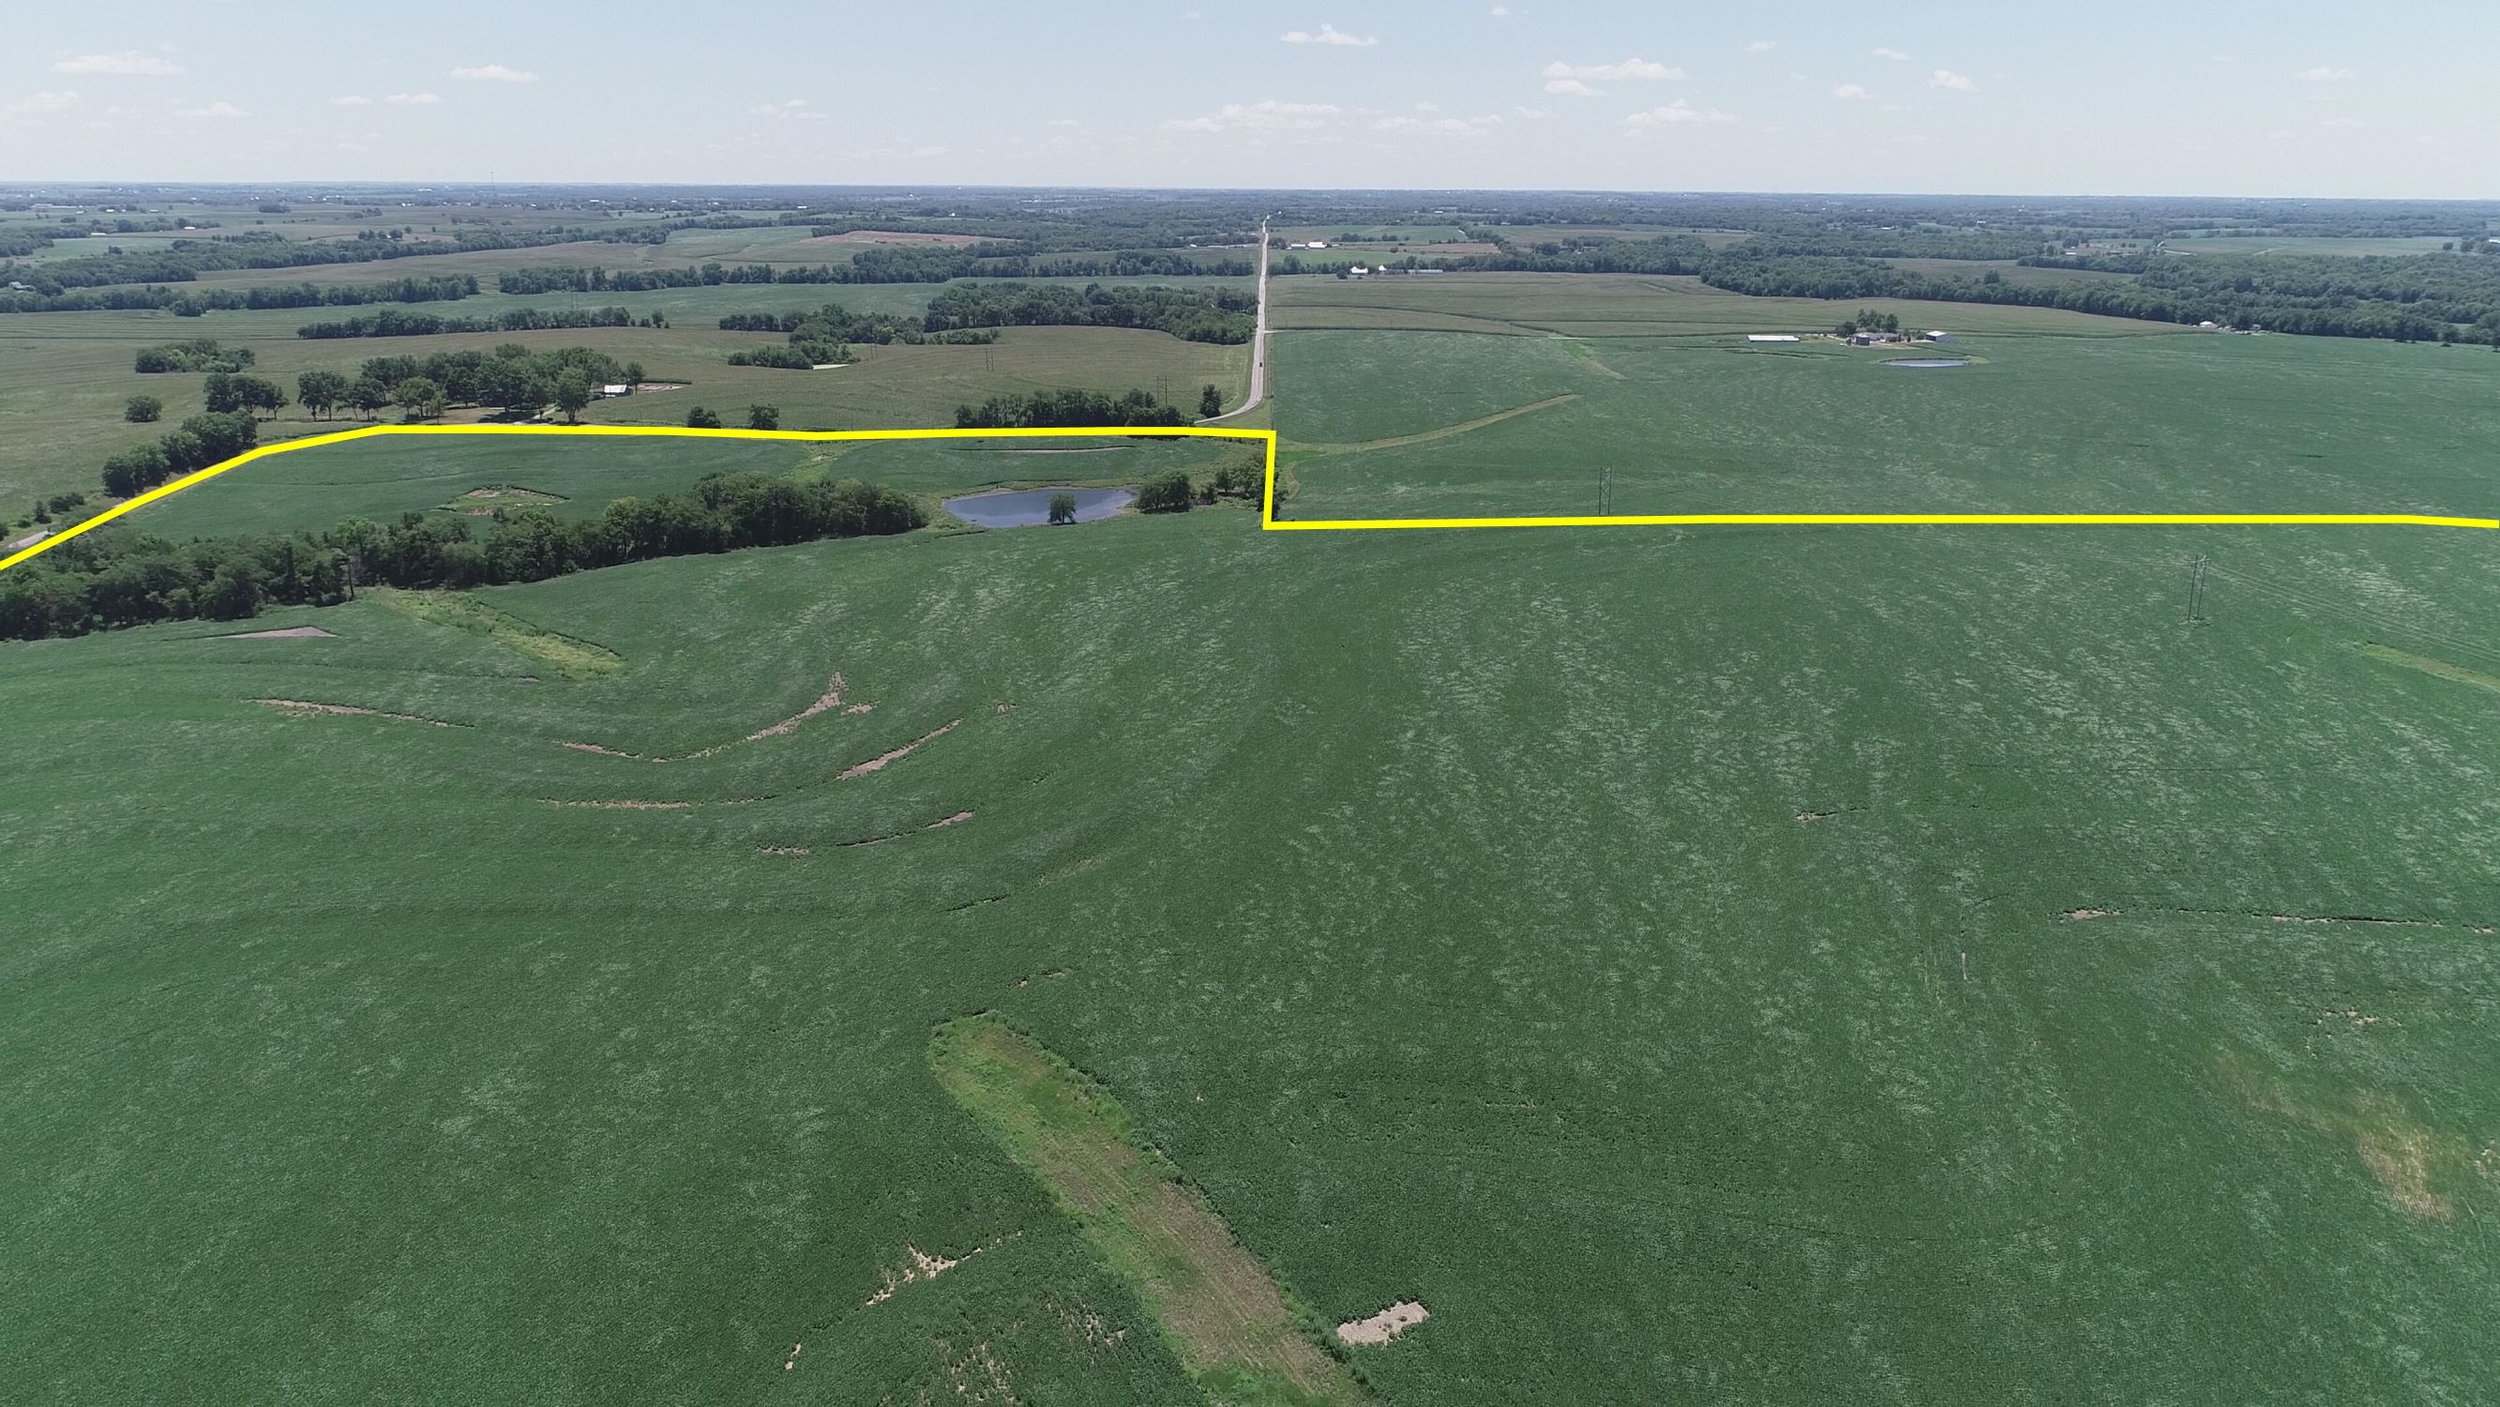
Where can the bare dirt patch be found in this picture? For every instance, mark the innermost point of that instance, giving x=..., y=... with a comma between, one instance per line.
x=923, y=1267
x=2079, y=915
x=1384, y=1326
x=884, y=760
x=292, y=632
x=787, y=852
x=299, y=708
x=955, y=820
x=601, y=751
x=627, y=805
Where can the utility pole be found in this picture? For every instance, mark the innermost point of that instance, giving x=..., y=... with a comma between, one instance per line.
x=2196, y=593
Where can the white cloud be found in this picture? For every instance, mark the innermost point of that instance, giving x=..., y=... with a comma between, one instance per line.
x=213, y=110
x=1329, y=34
x=1952, y=82
x=495, y=73
x=1270, y=116
x=1761, y=46
x=1437, y=127
x=1676, y=114
x=1501, y=11
x=45, y=101
x=1893, y=54
x=1572, y=88
x=2345, y=124
x=1851, y=92
x=413, y=99
x=1611, y=73
x=794, y=110
x=126, y=63
x=1535, y=114
x=2324, y=74
x=352, y=100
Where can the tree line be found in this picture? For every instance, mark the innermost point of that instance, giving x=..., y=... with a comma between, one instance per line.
x=1225, y=316
x=2231, y=293
x=1060, y=409
x=192, y=302
x=198, y=354
x=392, y=322
x=115, y=578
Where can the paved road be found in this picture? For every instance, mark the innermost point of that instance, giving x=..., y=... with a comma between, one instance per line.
x=1258, y=344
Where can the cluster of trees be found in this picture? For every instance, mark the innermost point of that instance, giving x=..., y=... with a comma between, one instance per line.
x=192, y=302
x=1053, y=409
x=1868, y=320
x=832, y=324
x=199, y=354
x=229, y=392
x=196, y=444
x=391, y=322
x=60, y=507
x=113, y=578
x=1172, y=492
x=512, y=378
x=1225, y=316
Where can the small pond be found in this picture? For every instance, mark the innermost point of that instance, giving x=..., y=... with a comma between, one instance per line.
x=1928, y=363
x=1020, y=508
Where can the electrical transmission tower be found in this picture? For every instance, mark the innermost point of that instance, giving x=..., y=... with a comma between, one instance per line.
x=2196, y=593
x=1606, y=492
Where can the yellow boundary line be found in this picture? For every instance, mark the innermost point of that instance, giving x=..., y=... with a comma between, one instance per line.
x=1267, y=508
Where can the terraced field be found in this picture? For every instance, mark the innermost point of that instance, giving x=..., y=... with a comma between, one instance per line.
x=1732, y=965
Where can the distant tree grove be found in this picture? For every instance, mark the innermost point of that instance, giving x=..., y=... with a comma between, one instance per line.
x=115, y=577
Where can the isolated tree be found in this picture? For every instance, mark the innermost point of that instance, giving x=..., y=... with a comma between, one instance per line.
x=633, y=376
x=419, y=397
x=143, y=410
x=1210, y=403
x=321, y=392
x=368, y=395
x=572, y=393
x=701, y=419
x=221, y=392
x=1062, y=508
x=763, y=417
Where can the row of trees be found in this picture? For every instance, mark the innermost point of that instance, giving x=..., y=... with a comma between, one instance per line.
x=115, y=578
x=392, y=322
x=1227, y=316
x=1058, y=409
x=192, y=302
x=194, y=445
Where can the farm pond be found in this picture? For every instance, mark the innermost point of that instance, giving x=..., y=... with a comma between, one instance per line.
x=1019, y=508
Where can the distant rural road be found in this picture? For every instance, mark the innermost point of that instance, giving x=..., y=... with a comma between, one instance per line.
x=1258, y=344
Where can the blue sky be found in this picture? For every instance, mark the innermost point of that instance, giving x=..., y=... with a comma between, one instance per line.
x=2297, y=97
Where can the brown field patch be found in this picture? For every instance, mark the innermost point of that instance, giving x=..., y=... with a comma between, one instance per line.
x=884, y=760
x=1386, y=1325
x=300, y=708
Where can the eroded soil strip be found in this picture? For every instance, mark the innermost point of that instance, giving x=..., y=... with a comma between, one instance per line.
x=1221, y=1307
x=882, y=761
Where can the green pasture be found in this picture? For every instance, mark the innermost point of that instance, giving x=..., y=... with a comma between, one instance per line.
x=1628, y=305
x=2209, y=425
x=65, y=377
x=1646, y=938
x=312, y=490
